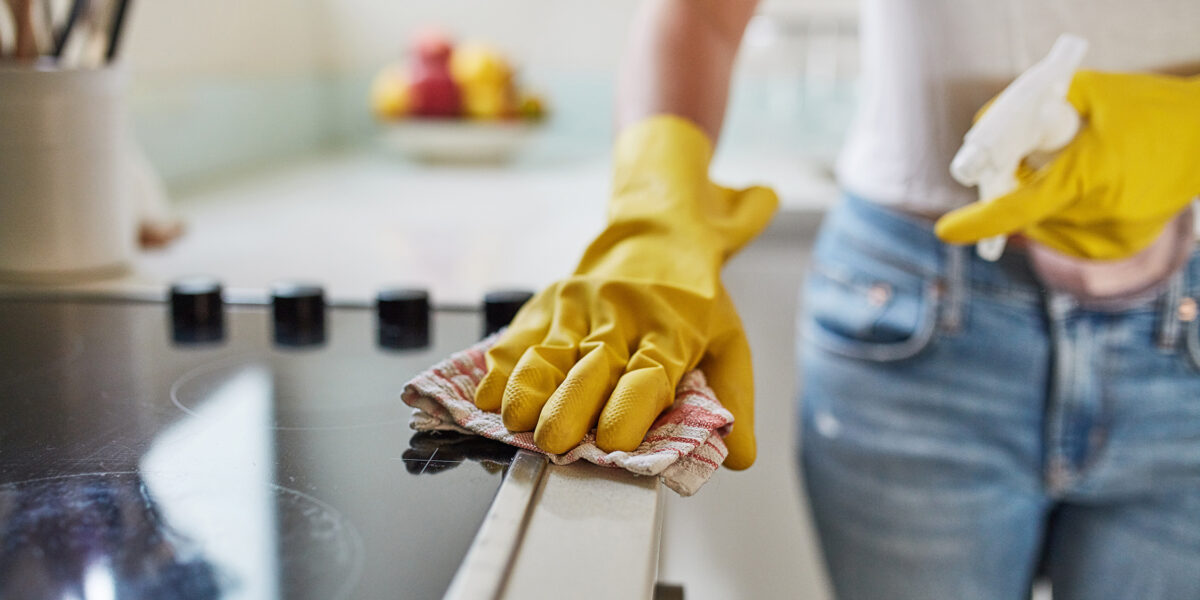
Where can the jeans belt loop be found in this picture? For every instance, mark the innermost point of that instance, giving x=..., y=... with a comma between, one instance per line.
x=955, y=287
x=1168, y=325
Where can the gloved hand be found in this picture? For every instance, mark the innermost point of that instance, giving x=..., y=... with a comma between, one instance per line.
x=1134, y=165
x=606, y=347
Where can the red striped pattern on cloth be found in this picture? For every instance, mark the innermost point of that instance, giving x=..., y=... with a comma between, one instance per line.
x=683, y=447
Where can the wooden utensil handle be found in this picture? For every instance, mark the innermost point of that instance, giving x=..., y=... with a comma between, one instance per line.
x=22, y=11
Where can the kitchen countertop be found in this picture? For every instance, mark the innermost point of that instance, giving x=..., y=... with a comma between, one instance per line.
x=358, y=220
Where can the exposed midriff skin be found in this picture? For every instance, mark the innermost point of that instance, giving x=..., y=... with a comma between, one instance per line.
x=1118, y=283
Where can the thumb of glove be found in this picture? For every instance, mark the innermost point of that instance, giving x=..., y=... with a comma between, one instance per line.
x=746, y=213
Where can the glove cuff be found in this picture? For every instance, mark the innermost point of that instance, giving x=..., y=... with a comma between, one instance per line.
x=666, y=145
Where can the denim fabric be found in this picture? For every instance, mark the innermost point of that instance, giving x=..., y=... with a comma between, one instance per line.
x=964, y=428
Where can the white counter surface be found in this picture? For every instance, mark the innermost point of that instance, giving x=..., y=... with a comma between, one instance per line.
x=356, y=221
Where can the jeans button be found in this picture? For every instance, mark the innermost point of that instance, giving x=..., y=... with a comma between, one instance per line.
x=879, y=294
x=1188, y=310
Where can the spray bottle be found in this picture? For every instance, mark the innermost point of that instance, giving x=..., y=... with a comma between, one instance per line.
x=1030, y=119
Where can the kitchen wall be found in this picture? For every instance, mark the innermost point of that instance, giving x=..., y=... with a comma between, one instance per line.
x=230, y=85
x=225, y=85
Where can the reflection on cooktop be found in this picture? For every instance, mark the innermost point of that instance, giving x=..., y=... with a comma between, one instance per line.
x=144, y=466
x=436, y=451
x=125, y=535
x=47, y=345
x=93, y=536
x=306, y=391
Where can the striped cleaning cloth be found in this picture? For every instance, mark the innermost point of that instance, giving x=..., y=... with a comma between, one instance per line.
x=683, y=447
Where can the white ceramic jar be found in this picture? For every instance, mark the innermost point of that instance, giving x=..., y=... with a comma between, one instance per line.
x=65, y=209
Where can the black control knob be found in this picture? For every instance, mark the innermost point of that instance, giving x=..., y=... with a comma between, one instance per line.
x=299, y=314
x=197, y=311
x=403, y=315
x=499, y=308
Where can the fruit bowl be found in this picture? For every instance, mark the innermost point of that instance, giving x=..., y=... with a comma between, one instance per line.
x=459, y=103
x=459, y=141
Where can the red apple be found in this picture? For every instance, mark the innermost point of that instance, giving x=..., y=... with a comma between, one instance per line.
x=432, y=45
x=433, y=92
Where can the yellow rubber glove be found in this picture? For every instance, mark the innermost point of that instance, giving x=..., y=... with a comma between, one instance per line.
x=1134, y=165
x=606, y=347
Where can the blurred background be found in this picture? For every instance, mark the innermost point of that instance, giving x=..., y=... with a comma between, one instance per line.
x=228, y=86
x=258, y=121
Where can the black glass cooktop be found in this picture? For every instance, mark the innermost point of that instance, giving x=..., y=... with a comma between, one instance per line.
x=136, y=462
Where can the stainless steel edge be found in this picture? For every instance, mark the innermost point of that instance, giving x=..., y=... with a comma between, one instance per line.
x=660, y=508
x=593, y=533
x=484, y=569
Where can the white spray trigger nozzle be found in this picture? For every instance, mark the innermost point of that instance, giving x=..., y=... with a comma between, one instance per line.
x=1032, y=115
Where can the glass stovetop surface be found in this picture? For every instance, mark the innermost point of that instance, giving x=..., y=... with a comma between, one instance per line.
x=133, y=466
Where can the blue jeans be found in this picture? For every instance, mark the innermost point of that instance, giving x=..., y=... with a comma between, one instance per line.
x=964, y=429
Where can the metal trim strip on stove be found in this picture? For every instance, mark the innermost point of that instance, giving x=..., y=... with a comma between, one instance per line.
x=610, y=519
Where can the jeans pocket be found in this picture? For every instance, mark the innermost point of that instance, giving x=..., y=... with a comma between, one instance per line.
x=885, y=316
x=1191, y=341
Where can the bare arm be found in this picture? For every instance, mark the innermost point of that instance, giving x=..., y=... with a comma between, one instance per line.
x=679, y=59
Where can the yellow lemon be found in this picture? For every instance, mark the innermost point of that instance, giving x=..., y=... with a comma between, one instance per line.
x=390, y=94
x=487, y=101
x=475, y=63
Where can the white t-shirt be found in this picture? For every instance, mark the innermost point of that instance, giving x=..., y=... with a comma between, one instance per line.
x=928, y=65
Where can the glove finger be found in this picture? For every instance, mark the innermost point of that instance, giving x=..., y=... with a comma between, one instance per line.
x=539, y=372
x=574, y=407
x=1082, y=90
x=544, y=366
x=528, y=328
x=1047, y=192
x=1105, y=240
x=642, y=393
x=730, y=374
x=983, y=109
